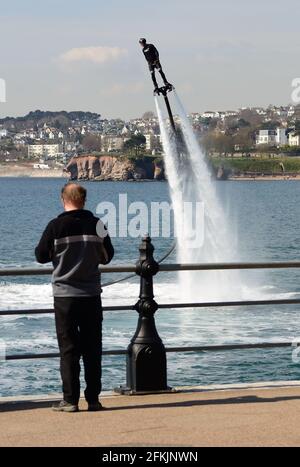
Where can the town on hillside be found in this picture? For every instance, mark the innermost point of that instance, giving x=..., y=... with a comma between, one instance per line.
x=52, y=138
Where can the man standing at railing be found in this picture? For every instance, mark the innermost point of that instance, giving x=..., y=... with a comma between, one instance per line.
x=77, y=242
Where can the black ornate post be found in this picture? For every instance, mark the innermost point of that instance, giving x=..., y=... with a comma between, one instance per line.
x=146, y=363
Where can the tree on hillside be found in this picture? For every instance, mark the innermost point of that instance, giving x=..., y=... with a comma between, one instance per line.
x=242, y=123
x=207, y=142
x=244, y=139
x=224, y=144
x=135, y=144
x=91, y=143
x=251, y=116
x=209, y=122
x=269, y=125
x=297, y=127
x=148, y=115
x=218, y=142
x=62, y=122
x=296, y=115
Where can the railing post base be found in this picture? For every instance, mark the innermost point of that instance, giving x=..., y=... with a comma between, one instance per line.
x=125, y=391
x=146, y=362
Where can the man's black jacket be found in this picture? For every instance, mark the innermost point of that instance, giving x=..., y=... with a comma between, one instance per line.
x=76, y=242
x=151, y=53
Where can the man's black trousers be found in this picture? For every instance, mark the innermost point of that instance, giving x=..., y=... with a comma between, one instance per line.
x=79, y=333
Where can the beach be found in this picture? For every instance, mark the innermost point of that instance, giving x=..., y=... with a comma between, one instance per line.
x=27, y=170
x=264, y=177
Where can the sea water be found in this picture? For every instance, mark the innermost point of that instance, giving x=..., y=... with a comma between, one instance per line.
x=264, y=217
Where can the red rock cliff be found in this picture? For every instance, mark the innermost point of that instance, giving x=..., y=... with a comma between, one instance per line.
x=106, y=167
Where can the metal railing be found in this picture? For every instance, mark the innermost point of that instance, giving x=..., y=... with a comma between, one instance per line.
x=146, y=336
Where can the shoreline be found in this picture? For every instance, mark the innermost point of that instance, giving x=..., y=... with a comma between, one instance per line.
x=27, y=171
x=24, y=171
x=270, y=178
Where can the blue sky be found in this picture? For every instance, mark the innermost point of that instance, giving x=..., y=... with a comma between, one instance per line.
x=84, y=55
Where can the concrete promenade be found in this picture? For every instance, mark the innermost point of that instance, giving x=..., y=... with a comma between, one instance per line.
x=253, y=415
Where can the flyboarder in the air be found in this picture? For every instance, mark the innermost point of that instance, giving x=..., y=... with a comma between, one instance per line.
x=152, y=57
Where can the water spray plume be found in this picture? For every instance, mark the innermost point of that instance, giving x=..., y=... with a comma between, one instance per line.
x=190, y=181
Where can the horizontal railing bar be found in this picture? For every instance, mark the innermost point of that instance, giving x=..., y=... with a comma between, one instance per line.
x=162, y=267
x=203, y=348
x=30, y=356
x=45, y=271
x=47, y=311
x=288, y=301
x=217, y=266
x=214, y=348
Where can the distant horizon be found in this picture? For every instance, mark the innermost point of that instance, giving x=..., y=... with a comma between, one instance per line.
x=218, y=109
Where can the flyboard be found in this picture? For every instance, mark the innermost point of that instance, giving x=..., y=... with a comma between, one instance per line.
x=164, y=92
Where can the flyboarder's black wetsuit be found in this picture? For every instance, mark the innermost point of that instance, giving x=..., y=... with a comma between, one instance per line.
x=152, y=57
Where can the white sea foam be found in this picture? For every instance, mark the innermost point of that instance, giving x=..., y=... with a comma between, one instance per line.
x=181, y=327
x=24, y=296
x=33, y=296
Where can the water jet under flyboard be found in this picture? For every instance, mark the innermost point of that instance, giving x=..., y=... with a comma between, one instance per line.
x=201, y=228
x=177, y=144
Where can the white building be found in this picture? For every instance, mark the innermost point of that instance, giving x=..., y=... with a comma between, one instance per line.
x=125, y=131
x=294, y=139
x=149, y=141
x=30, y=134
x=153, y=142
x=281, y=137
x=112, y=143
x=209, y=114
x=267, y=137
x=69, y=146
x=3, y=133
x=276, y=137
x=43, y=150
x=231, y=113
x=259, y=110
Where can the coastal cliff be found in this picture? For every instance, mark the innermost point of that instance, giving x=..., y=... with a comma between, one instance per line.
x=107, y=167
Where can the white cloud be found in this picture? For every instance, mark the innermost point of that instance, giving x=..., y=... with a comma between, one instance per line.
x=93, y=54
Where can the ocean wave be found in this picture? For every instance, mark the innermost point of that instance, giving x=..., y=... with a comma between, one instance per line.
x=33, y=296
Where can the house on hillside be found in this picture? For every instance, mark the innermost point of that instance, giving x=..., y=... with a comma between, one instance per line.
x=294, y=138
x=277, y=137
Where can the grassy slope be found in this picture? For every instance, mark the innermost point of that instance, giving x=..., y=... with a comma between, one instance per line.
x=291, y=164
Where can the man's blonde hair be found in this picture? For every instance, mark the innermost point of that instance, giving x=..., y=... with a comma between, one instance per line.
x=74, y=193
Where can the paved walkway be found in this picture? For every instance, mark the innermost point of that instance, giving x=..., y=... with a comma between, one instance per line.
x=234, y=417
